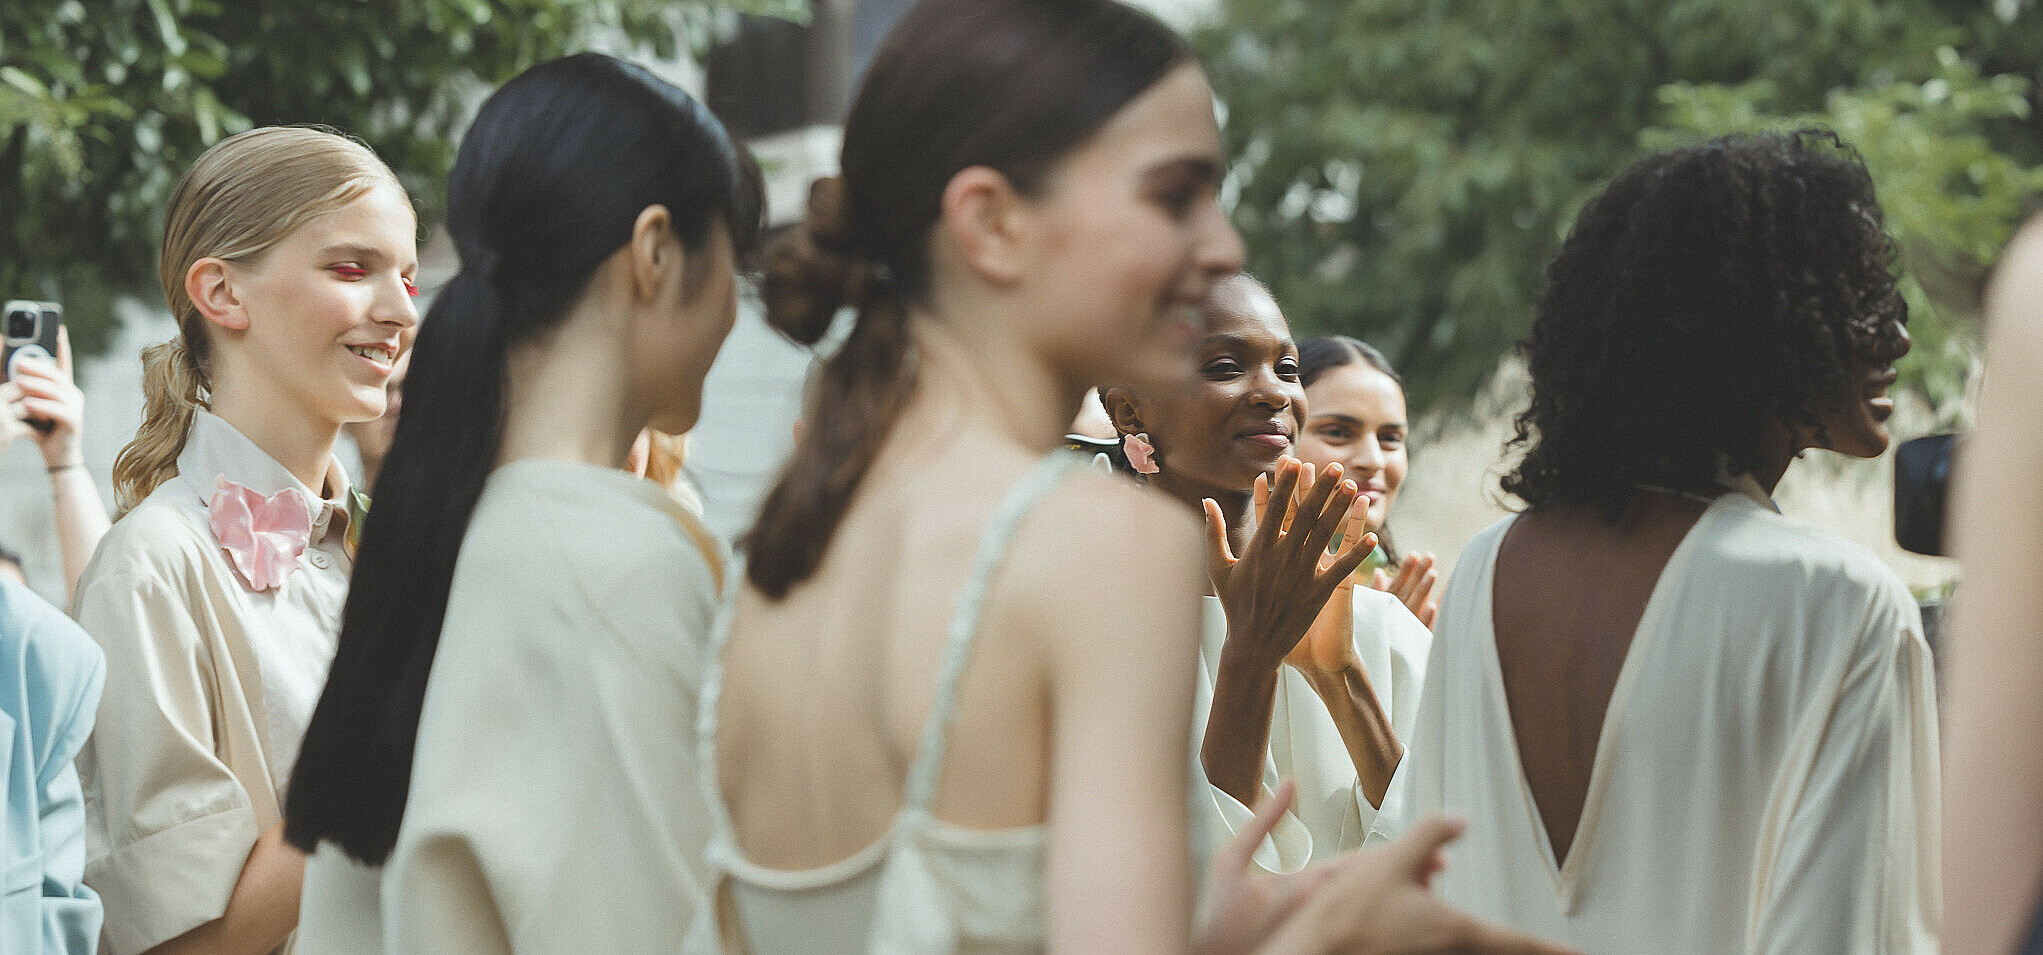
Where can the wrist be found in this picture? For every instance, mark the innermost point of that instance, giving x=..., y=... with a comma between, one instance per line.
x=67, y=466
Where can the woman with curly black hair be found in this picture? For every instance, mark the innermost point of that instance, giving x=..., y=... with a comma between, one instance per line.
x=1676, y=720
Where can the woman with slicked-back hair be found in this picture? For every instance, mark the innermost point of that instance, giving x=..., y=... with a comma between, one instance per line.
x=950, y=705
x=288, y=257
x=500, y=760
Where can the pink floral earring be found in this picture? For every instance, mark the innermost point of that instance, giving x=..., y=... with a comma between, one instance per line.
x=1141, y=454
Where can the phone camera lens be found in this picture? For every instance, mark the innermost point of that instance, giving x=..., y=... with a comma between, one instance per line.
x=23, y=324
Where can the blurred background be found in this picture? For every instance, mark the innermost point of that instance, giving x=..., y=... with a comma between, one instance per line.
x=1401, y=171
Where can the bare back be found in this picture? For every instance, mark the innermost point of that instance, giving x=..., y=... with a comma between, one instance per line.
x=1570, y=592
x=826, y=691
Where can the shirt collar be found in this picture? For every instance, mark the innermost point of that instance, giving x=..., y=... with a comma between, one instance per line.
x=214, y=449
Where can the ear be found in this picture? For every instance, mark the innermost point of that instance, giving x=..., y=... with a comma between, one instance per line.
x=987, y=219
x=209, y=283
x=1124, y=410
x=655, y=256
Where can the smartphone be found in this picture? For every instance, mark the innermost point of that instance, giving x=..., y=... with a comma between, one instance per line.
x=1922, y=481
x=30, y=330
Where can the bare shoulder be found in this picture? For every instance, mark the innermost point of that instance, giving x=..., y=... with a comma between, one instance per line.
x=1099, y=534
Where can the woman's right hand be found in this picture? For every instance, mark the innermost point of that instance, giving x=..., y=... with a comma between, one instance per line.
x=1379, y=900
x=1281, y=581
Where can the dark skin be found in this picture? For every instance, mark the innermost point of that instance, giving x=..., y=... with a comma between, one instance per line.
x=1571, y=589
x=1219, y=442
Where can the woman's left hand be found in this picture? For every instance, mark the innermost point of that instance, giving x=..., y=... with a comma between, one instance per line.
x=1416, y=579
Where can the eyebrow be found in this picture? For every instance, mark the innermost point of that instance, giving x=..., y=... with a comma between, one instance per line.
x=1245, y=343
x=356, y=250
x=1354, y=422
x=1198, y=167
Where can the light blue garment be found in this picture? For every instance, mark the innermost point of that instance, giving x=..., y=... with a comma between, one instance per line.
x=50, y=677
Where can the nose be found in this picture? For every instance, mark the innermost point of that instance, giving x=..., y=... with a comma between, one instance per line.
x=1902, y=341
x=1221, y=251
x=396, y=306
x=1269, y=392
x=1367, y=458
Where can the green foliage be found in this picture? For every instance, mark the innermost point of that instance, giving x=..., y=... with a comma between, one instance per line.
x=1952, y=199
x=102, y=106
x=1405, y=168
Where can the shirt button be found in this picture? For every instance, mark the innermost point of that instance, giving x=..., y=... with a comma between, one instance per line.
x=321, y=561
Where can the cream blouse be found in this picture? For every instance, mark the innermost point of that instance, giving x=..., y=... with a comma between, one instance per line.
x=209, y=686
x=554, y=803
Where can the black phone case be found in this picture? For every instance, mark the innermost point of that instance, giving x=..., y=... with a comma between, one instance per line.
x=47, y=341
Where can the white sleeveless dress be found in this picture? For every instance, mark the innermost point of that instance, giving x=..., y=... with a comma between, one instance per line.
x=924, y=886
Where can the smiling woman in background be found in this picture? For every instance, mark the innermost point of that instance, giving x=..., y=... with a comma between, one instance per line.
x=1359, y=421
x=1288, y=690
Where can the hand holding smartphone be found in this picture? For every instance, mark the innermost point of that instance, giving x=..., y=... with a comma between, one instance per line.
x=30, y=330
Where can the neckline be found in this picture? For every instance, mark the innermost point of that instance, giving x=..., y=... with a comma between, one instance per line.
x=1566, y=875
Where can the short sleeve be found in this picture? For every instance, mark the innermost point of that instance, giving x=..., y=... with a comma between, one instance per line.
x=1852, y=839
x=168, y=825
x=597, y=847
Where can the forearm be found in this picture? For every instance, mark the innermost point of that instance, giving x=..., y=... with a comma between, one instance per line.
x=1238, y=728
x=81, y=519
x=263, y=909
x=1364, y=727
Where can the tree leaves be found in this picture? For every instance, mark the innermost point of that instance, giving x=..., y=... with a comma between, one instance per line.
x=1404, y=168
x=101, y=110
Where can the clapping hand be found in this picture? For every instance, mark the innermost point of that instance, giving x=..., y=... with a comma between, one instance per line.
x=1413, y=586
x=1279, y=584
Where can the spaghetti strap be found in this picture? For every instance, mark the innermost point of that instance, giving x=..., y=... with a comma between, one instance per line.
x=965, y=616
x=922, y=886
x=966, y=612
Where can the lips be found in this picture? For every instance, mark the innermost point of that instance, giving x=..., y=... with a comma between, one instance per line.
x=1271, y=434
x=1875, y=393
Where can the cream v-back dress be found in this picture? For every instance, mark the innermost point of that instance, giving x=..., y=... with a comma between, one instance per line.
x=1766, y=777
x=925, y=885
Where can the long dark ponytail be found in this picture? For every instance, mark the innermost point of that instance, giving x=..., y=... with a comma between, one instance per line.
x=547, y=186
x=1012, y=85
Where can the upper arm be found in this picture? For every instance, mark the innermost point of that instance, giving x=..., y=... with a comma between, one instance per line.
x=1995, y=662
x=1853, y=839
x=168, y=823
x=1119, y=621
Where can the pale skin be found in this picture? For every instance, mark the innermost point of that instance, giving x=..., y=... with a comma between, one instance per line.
x=279, y=326
x=1101, y=705
x=1993, y=859
x=43, y=391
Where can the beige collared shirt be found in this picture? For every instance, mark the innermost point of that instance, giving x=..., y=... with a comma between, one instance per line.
x=209, y=687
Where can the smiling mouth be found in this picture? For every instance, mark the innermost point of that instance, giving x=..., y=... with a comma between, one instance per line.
x=1876, y=395
x=382, y=357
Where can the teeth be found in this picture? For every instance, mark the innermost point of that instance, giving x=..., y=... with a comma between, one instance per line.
x=373, y=354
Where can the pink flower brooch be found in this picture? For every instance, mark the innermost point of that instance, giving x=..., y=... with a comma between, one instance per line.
x=262, y=536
